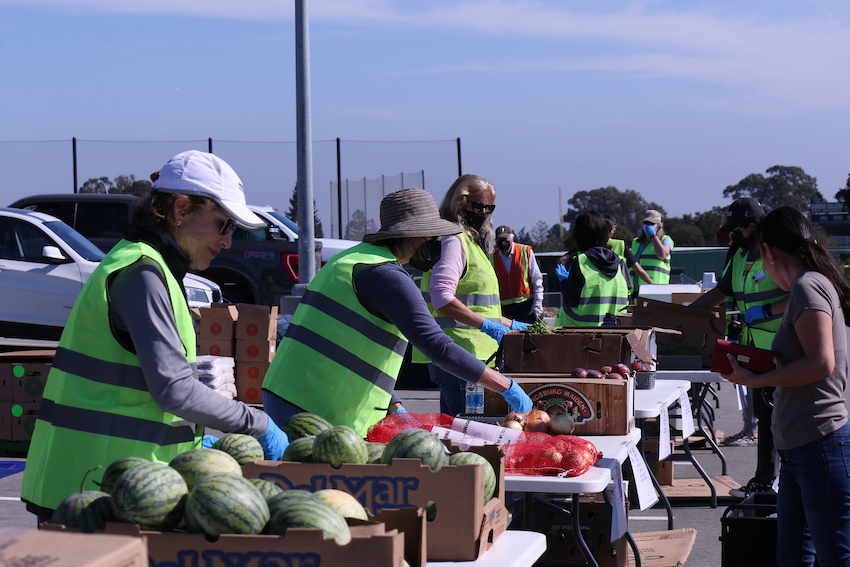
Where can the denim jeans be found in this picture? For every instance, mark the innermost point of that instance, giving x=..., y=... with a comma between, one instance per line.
x=814, y=502
x=452, y=390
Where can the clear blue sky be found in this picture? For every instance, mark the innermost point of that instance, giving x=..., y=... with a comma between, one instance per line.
x=675, y=100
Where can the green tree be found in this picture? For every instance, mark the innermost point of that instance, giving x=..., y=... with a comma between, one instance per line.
x=696, y=229
x=97, y=185
x=627, y=207
x=131, y=186
x=359, y=225
x=292, y=214
x=843, y=195
x=784, y=185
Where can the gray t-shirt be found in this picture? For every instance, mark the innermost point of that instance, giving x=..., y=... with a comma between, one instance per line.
x=803, y=414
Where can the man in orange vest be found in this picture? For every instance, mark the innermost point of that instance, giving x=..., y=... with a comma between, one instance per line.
x=520, y=280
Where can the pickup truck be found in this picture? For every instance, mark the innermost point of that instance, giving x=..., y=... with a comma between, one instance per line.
x=260, y=267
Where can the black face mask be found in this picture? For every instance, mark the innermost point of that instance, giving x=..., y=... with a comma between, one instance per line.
x=739, y=240
x=474, y=220
x=504, y=245
x=426, y=255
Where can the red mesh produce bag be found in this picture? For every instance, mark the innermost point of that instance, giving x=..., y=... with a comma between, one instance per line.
x=563, y=455
x=389, y=426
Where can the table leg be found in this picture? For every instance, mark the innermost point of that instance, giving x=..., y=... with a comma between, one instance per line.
x=577, y=531
x=628, y=534
x=702, y=392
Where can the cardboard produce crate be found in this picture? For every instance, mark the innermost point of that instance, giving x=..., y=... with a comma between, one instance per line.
x=23, y=374
x=254, y=351
x=699, y=328
x=386, y=542
x=249, y=381
x=216, y=347
x=256, y=322
x=218, y=321
x=600, y=406
x=17, y=420
x=568, y=348
x=463, y=526
x=70, y=549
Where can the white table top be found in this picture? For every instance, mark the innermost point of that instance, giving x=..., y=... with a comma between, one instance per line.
x=696, y=375
x=514, y=548
x=649, y=403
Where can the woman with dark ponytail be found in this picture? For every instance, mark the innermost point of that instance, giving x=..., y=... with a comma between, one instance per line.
x=810, y=421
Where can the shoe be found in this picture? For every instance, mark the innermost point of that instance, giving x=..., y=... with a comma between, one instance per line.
x=740, y=440
x=752, y=487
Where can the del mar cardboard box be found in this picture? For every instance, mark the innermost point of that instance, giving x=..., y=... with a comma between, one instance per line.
x=20, y=547
x=376, y=543
x=699, y=328
x=568, y=348
x=463, y=526
x=256, y=322
x=218, y=321
x=23, y=374
x=599, y=406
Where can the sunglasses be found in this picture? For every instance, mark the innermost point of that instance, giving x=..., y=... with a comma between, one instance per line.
x=478, y=207
x=228, y=225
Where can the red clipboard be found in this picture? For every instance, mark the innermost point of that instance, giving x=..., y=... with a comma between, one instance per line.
x=758, y=360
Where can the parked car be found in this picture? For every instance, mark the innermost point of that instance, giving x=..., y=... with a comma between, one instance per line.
x=260, y=267
x=43, y=266
x=289, y=230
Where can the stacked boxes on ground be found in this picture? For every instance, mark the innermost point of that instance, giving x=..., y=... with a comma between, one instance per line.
x=248, y=334
x=22, y=378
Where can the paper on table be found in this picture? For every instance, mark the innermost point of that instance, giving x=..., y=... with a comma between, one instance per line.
x=470, y=432
x=688, y=426
x=664, y=448
x=643, y=483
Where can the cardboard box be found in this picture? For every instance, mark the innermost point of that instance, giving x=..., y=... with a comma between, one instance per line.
x=249, y=381
x=376, y=543
x=216, y=347
x=18, y=420
x=699, y=327
x=256, y=322
x=600, y=406
x=664, y=549
x=463, y=527
x=254, y=351
x=218, y=321
x=568, y=348
x=6, y=419
x=20, y=546
x=23, y=374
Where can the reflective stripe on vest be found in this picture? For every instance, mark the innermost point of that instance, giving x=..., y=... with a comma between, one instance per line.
x=478, y=289
x=758, y=289
x=96, y=405
x=513, y=285
x=599, y=296
x=337, y=359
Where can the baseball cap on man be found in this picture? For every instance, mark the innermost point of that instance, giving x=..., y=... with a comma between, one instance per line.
x=203, y=174
x=740, y=212
x=504, y=231
x=652, y=216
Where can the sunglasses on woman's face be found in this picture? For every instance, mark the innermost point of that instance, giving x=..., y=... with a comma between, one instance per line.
x=478, y=207
x=228, y=225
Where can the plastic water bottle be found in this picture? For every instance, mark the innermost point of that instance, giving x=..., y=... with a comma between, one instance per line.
x=474, y=399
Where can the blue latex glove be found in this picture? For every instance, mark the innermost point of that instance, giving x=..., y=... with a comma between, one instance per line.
x=274, y=441
x=754, y=313
x=649, y=229
x=399, y=410
x=208, y=441
x=494, y=330
x=519, y=325
x=517, y=398
x=561, y=272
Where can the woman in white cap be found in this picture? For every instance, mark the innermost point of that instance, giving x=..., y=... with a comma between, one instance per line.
x=344, y=348
x=124, y=381
x=652, y=249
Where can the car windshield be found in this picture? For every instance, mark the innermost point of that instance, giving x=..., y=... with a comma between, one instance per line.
x=285, y=220
x=75, y=240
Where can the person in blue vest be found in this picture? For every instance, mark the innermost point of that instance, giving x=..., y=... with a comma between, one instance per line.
x=124, y=380
x=344, y=348
x=520, y=280
x=652, y=249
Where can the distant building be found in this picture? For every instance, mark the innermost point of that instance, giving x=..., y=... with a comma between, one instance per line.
x=834, y=219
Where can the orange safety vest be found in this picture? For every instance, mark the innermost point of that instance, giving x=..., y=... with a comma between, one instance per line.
x=513, y=286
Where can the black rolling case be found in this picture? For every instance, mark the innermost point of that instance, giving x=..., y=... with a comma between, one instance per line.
x=748, y=532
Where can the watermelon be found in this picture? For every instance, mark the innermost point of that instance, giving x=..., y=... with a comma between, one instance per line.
x=340, y=444
x=241, y=447
x=266, y=488
x=303, y=424
x=343, y=502
x=310, y=513
x=195, y=464
x=223, y=503
x=287, y=497
x=415, y=443
x=114, y=470
x=376, y=451
x=300, y=450
x=150, y=494
x=469, y=458
x=87, y=511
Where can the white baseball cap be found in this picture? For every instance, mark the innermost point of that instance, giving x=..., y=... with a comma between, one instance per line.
x=200, y=173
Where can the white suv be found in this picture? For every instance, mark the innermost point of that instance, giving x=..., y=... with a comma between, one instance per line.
x=43, y=266
x=289, y=230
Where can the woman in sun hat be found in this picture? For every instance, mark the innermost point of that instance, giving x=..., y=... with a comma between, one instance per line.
x=652, y=249
x=343, y=351
x=124, y=380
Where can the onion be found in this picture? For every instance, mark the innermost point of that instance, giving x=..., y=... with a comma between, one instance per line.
x=513, y=424
x=562, y=424
x=538, y=413
x=537, y=425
